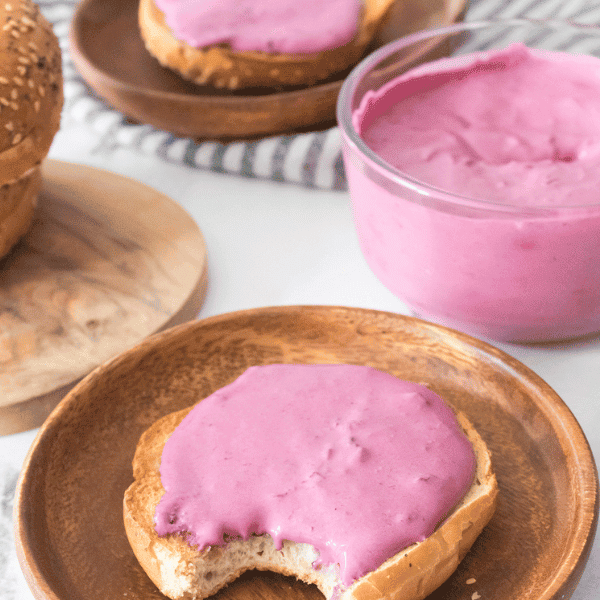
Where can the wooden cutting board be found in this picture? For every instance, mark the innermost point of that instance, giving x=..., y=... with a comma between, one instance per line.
x=107, y=262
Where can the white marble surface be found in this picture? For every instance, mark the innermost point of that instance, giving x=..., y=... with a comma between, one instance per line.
x=275, y=244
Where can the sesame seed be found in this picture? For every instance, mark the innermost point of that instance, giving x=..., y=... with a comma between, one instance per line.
x=14, y=106
x=36, y=106
x=18, y=80
x=475, y=596
x=17, y=139
x=3, y=80
x=471, y=581
x=15, y=34
x=32, y=45
x=24, y=29
x=10, y=126
x=4, y=101
x=8, y=7
x=22, y=69
x=24, y=60
x=7, y=26
x=31, y=83
x=41, y=91
x=14, y=94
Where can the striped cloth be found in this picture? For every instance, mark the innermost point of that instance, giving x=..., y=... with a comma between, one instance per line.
x=310, y=159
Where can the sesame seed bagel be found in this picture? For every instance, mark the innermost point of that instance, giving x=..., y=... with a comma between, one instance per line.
x=219, y=66
x=31, y=99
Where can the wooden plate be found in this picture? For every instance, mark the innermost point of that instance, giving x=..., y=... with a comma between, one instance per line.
x=69, y=531
x=110, y=55
x=107, y=262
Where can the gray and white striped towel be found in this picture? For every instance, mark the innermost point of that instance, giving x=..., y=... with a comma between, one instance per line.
x=310, y=159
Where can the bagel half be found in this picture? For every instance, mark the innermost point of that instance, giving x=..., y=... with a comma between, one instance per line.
x=220, y=67
x=181, y=571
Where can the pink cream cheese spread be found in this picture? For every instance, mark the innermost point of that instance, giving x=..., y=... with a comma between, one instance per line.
x=282, y=26
x=347, y=458
x=518, y=132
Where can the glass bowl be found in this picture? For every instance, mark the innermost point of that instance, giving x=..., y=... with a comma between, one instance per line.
x=492, y=269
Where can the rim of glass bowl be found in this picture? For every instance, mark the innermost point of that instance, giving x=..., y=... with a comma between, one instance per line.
x=452, y=200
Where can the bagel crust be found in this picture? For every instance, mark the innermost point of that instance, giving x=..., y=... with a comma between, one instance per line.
x=220, y=67
x=31, y=99
x=181, y=571
x=18, y=200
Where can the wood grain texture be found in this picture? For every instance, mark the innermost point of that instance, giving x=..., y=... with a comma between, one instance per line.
x=106, y=263
x=69, y=530
x=107, y=49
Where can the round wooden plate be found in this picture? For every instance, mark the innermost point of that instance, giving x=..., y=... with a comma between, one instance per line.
x=68, y=521
x=107, y=262
x=107, y=49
